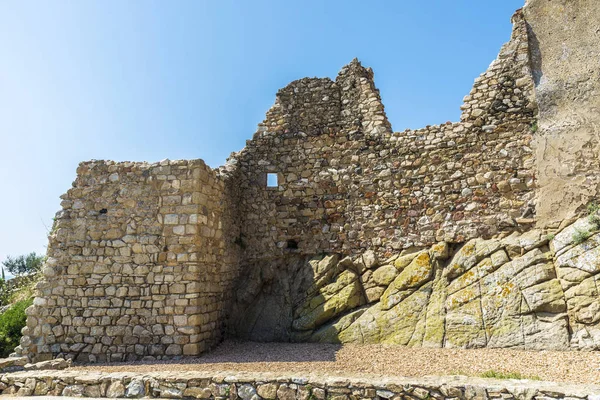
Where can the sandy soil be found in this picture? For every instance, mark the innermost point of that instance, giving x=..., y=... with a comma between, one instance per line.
x=575, y=367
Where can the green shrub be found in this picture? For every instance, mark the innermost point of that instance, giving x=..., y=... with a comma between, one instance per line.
x=534, y=127
x=11, y=323
x=581, y=236
x=592, y=211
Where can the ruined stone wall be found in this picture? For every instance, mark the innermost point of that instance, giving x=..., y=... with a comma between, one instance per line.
x=137, y=265
x=347, y=183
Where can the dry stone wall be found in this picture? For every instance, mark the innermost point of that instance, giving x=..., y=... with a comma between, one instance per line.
x=347, y=183
x=137, y=265
x=256, y=386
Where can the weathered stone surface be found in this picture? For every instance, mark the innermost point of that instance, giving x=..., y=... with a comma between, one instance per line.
x=90, y=391
x=12, y=361
x=58, y=363
x=329, y=333
x=286, y=392
x=74, y=391
x=566, y=77
x=383, y=276
x=247, y=392
x=480, y=298
x=267, y=391
x=141, y=277
x=418, y=272
x=115, y=389
x=171, y=393
x=135, y=389
x=342, y=295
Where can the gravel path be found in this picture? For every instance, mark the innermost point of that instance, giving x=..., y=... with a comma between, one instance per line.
x=572, y=366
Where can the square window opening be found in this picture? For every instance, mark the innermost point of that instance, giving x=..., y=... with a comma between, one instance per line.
x=272, y=180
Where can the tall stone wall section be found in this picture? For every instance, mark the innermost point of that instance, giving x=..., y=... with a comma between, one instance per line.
x=347, y=183
x=137, y=265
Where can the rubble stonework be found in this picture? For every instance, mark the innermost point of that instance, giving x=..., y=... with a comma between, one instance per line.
x=420, y=238
x=138, y=265
x=348, y=183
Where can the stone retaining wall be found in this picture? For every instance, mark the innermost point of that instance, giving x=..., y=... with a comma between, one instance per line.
x=269, y=386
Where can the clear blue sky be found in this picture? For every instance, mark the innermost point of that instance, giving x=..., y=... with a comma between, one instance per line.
x=148, y=80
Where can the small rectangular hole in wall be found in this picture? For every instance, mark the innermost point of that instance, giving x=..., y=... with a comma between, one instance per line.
x=272, y=180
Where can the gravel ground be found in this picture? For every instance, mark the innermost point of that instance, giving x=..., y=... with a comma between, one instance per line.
x=571, y=366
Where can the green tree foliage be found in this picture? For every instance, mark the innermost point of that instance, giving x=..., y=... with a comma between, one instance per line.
x=11, y=323
x=23, y=265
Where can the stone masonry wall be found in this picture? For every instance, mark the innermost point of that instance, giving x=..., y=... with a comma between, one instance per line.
x=137, y=265
x=347, y=183
x=271, y=386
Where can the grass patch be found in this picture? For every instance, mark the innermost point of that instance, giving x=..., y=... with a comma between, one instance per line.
x=25, y=292
x=507, y=375
x=592, y=211
x=534, y=127
x=581, y=236
x=593, y=208
x=493, y=374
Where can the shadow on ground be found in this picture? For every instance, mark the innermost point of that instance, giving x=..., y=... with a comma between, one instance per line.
x=250, y=352
x=244, y=352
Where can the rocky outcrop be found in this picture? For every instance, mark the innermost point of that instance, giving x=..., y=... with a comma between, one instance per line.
x=533, y=290
x=564, y=47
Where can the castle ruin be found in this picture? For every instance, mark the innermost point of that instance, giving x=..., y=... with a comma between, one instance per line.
x=330, y=227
